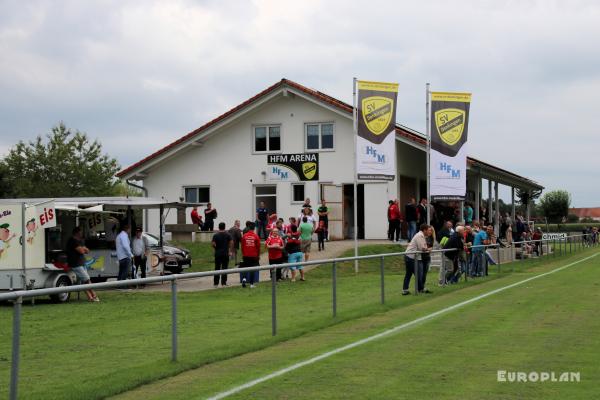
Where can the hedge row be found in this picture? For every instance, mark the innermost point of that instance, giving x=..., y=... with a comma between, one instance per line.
x=577, y=228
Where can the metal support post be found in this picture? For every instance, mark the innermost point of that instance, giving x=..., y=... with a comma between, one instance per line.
x=382, y=267
x=417, y=259
x=334, y=283
x=16, y=347
x=443, y=270
x=173, y=320
x=498, y=260
x=274, y=302
x=570, y=245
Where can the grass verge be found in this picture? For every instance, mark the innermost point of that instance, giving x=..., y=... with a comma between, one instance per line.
x=124, y=341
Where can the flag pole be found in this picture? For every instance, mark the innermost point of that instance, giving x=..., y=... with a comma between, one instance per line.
x=428, y=130
x=355, y=202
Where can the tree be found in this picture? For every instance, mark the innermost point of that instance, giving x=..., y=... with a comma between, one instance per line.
x=572, y=218
x=4, y=185
x=555, y=205
x=66, y=164
x=123, y=189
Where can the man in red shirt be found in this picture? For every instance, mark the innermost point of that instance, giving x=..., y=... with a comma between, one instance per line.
x=196, y=219
x=394, y=216
x=275, y=246
x=250, y=253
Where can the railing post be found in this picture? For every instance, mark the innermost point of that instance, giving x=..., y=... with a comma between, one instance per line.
x=16, y=348
x=498, y=260
x=381, y=267
x=560, y=246
x=570, y=245
x=334, y=283
x=442, y=270
x=174, y=320
x=274, y=301
x=417, y=259
x=514, y=258
x=554, y=247
x=486, y=264
x=467, y=262
x=523, y=251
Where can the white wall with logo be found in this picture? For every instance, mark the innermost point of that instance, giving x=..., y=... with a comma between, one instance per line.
x=228, y=165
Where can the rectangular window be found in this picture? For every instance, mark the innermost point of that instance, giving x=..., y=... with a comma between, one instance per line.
x=197, y=194
x=266, y=190
x=267, y=138
x=319, y=136
x=297, y=193
x=312, y=137
x=327, y=136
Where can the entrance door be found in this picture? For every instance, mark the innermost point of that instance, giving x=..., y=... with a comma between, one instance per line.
x=268, y=194
x=333, y=195
x=349, y=211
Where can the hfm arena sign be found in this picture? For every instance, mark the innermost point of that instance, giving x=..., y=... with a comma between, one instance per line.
x=293, y=167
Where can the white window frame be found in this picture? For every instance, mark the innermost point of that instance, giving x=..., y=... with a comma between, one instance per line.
x=292, y=189
x=184, y=187
x=320, y=124
x=267, y=126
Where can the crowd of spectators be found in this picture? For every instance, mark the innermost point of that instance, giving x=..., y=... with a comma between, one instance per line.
x=284, y=242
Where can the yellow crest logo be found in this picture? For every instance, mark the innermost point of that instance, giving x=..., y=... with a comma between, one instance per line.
x=450, y=124
x=309, y=169
x=377, y=113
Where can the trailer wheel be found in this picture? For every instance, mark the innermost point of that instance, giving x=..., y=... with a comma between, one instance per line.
x=62, y=297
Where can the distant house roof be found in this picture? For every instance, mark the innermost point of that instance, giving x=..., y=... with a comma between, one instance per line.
x=593, y=212
x=402, y=132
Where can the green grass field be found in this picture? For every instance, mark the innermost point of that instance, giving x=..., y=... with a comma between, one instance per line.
x=124, y=341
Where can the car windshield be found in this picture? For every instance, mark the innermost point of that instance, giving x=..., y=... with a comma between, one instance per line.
x=152, y=240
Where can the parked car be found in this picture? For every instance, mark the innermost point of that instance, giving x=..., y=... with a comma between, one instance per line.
x=176, y=259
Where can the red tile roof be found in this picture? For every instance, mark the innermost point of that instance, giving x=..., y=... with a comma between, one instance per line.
x=586, y=212
x=401, y=131
x=284, y=82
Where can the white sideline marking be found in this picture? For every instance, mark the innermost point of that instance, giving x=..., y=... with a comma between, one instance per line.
x=388, y=332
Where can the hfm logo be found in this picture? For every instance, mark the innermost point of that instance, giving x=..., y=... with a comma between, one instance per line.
x=449, y=170
x=372, y=151
x=279, y=172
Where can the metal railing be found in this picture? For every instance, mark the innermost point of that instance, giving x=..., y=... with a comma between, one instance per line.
x=17, y=296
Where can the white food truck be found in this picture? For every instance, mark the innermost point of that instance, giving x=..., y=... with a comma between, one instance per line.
x=34, y=234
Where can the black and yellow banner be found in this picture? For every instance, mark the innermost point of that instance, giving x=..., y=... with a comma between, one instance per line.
x=293, y=167
x=376, y=110
x=449, y=121
x=448, y=154
x=376, y=146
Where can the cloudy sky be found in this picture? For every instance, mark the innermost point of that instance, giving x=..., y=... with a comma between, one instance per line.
x=137, y=75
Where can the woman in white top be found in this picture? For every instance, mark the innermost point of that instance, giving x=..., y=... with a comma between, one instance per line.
x=307, y=212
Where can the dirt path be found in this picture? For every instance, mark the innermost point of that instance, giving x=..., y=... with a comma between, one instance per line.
x=332, y=250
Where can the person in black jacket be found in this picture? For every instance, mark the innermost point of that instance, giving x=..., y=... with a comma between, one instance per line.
x=455, y=244
x=410, y=213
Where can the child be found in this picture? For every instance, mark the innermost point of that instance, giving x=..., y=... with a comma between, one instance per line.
x=321, y=234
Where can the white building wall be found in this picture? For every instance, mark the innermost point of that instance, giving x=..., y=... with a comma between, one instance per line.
x=228, y=165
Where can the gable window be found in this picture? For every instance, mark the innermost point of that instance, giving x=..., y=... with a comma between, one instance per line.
x=197, y=194
x=319, y=136
x=267, y=138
